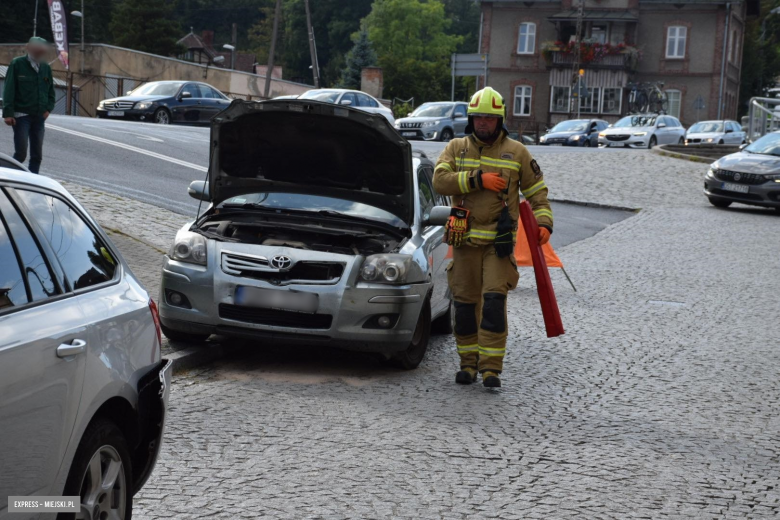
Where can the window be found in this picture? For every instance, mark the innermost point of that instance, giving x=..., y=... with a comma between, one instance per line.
x=207, y=92
x=12, y=289
x=192, y=89
x=590, y=104
x=35, y=266
x=363, y=100
x=559, y=100
x=675, y=41
x=611, y=100
x=598, y=33
x=460, y=111
x=348, y=99
x=617, y=33
x=526, y=38
x=522, y=100
x=84, y=258
x=426, y=193
x=675, y=100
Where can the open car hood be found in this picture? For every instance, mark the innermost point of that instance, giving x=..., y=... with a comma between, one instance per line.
x=309, y=147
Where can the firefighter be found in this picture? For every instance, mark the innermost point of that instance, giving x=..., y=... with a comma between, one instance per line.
x=484, y=174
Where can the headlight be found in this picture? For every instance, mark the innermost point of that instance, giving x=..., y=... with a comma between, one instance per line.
x=391, y=268
x=602, y=134
x=575, y=138
x=101, y=104
x=640, y=134
x=709, y=140
x=397, y=124
x=430, y=123
x=189, y=247
x=542, y=139
x=711, y=171
x=773, y=177
x=143, y=105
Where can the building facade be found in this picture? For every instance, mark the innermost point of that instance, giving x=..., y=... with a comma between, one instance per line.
x=694, y=48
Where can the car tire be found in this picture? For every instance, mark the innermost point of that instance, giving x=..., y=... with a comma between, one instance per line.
x=443, y=324
x=719, y=203
x=185, y=337
x=162, y=116
x=411, y=357
x=103, y=452
x=681, y=141
x=721, y=142
x=586, y=144
x=446, y=135
x=652, y=142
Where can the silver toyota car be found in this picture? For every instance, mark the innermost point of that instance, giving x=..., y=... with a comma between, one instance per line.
x=83, y=389
x=322, y=228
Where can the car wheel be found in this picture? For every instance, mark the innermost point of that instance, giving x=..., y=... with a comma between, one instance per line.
x=681, y=141
x=443, y=324
x=720, y=203
x=185, y=337
x=446, y=135
x=412, y=356
x=720, y=142
x=653, y=141
x=101, y=474
x=586, y=144
x=162, y=117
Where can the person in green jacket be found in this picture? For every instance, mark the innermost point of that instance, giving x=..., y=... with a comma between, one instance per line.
x=28, y=98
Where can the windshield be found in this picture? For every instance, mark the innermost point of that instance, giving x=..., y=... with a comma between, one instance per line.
x=571, y=126
x=326, y=96
x=767, y=145
x=706, y=127
x=629, y=121
x=158, y=89
x=432, y=110
x=315, y=203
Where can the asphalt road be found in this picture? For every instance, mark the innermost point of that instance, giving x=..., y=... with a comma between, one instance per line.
x=155, y=164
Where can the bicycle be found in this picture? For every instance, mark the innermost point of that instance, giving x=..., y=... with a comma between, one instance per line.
x=659, y=102
x=637, y=99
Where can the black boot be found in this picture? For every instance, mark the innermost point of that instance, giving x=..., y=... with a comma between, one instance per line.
x=490, y=380
x=466, y=376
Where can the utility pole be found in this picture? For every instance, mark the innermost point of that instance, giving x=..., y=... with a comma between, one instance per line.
x=576, y=78
x=35, y=19
x=83, y=54
x=234, y=42
x=272, y=51
x=312, y=47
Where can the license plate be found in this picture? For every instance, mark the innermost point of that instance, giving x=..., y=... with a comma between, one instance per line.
x=556, y=144
x=620, y=145
x=408, y=134
x=296, y=301
x=115, y=113
x=734, y=187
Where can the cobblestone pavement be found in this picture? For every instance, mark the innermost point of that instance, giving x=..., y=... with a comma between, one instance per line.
x=659, y=402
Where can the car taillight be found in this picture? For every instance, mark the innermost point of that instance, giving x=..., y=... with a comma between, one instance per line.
x=156, y=318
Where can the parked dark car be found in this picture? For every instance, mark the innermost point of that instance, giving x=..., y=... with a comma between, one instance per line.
x=574, y=132
x=166, y=102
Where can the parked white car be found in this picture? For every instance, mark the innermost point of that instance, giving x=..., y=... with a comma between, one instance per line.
x=351, y=98
x=83, y=387
x=643, y=131
x=715, y=132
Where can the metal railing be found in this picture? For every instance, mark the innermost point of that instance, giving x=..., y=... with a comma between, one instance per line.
x=763, y=117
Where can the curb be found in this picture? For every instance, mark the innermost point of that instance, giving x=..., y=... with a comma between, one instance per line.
x=684, y=156
x=192, y=357
x=594, y=205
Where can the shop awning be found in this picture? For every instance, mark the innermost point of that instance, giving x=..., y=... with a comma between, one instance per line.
x=596, y=16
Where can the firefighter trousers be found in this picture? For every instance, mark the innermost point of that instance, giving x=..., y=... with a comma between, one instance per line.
x=479, y=281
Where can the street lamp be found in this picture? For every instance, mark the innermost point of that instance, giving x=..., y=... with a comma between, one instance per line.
x=232, y=50
x=80, y=14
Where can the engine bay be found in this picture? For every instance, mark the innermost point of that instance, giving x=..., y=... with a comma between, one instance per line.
x=313, y=236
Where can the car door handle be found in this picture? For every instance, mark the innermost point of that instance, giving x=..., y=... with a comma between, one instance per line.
x=77, y=346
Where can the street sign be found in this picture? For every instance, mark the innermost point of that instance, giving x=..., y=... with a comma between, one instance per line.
x=698, y=103
x=469, y=64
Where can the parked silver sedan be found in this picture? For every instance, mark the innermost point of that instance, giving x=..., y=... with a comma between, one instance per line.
x=323, y=228
x=715, y=133
x=83, y=388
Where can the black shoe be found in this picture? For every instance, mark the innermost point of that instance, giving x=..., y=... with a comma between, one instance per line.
x=491, y=380
x=466, y=377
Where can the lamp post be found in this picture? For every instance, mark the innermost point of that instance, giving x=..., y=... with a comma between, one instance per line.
x=232, y=50
x=80, y=14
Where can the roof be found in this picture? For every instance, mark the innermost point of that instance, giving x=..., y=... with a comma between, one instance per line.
x=604, y=16
x=193, y=41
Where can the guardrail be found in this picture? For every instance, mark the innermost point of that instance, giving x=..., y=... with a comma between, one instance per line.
x=763, y=117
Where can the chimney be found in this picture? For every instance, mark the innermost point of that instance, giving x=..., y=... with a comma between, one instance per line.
x=208, y=38
x=371, y=81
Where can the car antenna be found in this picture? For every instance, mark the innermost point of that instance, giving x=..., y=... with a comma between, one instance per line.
x=202, y=194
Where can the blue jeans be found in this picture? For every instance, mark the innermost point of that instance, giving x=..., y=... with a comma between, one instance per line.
x=29, y=128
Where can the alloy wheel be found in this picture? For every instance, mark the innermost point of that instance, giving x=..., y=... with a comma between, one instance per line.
x=162, y=117
x=103, y=487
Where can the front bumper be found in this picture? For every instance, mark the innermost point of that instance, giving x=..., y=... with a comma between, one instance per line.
x=343, y=318
x=127, y=115
x=581, y=142
x=766, y=195
x=420, y=134
x=154, y=389
x=631, y=142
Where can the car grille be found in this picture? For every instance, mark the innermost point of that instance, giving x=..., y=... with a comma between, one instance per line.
x=697, y=140
x=411, y=125
x=274, y=317
x=555, y=140
x=305, y=272
x=119, y=105
x=739, y=177
x=617, y=137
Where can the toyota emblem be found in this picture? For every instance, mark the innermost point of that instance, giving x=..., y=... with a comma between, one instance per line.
x=281, y=262
x=737, y=176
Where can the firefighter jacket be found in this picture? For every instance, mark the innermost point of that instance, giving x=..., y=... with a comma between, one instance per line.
x=456, y=175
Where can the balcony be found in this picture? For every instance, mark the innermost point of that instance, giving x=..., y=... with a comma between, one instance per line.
x=592, y=56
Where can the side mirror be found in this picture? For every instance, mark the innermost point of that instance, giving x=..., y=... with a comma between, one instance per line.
x=438, y=217
x=346, y=102
x=185, y=95
x=742, y=146
x=661, y=125
x=199, y=190
x=729, y=130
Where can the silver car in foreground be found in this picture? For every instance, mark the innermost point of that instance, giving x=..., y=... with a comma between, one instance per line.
x=83, y=388
x=323, y=229
x=751, y=176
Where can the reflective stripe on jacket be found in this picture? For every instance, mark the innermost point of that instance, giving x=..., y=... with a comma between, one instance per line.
x=456, y=172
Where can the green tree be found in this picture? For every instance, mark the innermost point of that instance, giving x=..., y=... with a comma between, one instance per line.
x=760, y=55
x=410, y=37
x=146, y=25
x=361, y=55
